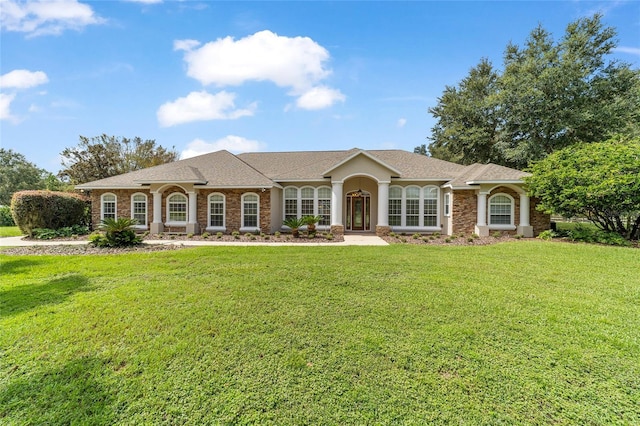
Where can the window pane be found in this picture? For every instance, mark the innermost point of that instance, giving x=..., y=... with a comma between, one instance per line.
x=250, y=209
x=307, y=193
x=216, y=206
x=324, y=193
x=177, y=208
x=413, y=192
x=500, y=210
x=307, y=207
x=324, y=210
x=395, y=192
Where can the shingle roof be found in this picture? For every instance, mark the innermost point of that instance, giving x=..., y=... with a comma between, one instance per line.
x=220, y=168
x=486, y=173
x=266, y=169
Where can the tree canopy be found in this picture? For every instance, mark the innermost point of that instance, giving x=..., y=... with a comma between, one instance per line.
x=18, y=174
x=105, y=156
x=599, y=181
x=548, y=96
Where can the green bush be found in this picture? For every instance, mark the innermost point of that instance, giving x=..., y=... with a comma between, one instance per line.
x=116, y=233
x=5, y=216
x=48, y=209
x=66, y=232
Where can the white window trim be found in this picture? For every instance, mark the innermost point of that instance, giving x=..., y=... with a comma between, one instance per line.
x=146, y=211
x=249, y=228
x=222, y=228
x=177, y=223
x=447, y=204
x=501, y=227
x=403, y=218
x=316, y=203
x=115, y=208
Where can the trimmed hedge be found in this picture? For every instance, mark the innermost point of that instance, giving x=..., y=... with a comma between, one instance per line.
x=48, y=209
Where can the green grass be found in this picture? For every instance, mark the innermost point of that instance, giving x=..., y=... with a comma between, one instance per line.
x=515, y=333
x=10, y=231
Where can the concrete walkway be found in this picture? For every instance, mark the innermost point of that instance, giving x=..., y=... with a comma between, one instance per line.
x=349, y=240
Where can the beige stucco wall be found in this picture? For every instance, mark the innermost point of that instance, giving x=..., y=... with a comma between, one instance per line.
x=361, y=165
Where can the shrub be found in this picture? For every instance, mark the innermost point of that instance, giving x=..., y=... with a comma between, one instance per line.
x=66, y=232
x=547, y=235
x=276, y=234
x=219, y=235
x=329, y=236
x=117, y=233
x=5, y=216
x=248, y=234
x=415, y=236
x=496, y=234
x=189, y=235
x=205, y=235
x=47, y=209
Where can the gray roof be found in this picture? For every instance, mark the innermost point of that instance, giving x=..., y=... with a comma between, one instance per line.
x=266, y=169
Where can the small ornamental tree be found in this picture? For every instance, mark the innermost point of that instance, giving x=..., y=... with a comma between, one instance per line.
x=48, y=209
x=599, y=181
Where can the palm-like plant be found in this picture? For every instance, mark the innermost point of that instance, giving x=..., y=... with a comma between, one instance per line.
x=311, y=222
x=118, y=232
x=294, y=223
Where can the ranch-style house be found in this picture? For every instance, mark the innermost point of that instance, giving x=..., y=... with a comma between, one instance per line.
x=352, y=191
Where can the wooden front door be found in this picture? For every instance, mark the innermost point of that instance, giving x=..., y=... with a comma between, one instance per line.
x=358, y=205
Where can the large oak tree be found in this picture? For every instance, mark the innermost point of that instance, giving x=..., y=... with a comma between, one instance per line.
x=105, y=156
x=549, y=95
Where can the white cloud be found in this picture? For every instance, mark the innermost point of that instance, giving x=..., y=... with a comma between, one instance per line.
x=145, y=1
x=402, y=122
x=185, y=44
x=231, y=143
x=319, y=97
x=23, y=79
x=5, y=106
x=42, y=17
x=296, y=62
x=201, y=106
x=629, y=50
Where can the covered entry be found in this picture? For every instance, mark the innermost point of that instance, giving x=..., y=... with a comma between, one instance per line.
x=358, y=210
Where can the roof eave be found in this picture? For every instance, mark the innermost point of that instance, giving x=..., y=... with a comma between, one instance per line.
x=495, y=181
x=366, y=154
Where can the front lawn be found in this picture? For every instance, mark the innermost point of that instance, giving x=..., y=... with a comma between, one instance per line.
x=10, y=231
x=525, y=332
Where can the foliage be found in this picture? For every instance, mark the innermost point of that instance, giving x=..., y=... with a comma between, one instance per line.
x=599, y=181
x=466, y=129
x=105, y=156
x=17, y=174
x=116, y=233
x=548, y=96
x=245, y=335
x=48, y=209
x=66, y=232
x=6, y=219
x=294, y=223
x=586, y=234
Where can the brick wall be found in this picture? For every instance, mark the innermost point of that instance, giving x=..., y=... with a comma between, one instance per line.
x=123, y=203
x=463, y=211
x=232, y=197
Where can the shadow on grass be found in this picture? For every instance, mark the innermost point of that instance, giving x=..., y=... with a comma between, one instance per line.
x=16, y=265
x=77, y=393
x=26, y=297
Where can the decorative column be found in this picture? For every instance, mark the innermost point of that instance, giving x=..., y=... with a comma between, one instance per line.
x=337, y=227
x=481, y=227
x=192, y=224
x=156, y=226
x=524, y=228
x=383, y=228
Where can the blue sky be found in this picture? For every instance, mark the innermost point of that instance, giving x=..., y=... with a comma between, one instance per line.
x=255, y=76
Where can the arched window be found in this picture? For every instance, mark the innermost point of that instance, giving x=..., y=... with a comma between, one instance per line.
x=306, y=203
x=139, y=210
x=413, y=206
x=290, y=202
x=324, y=205
x=177, y=209
x=501, y=210
x=216, y=211
x=395, y=206
x=250, y=212
x=430, y=206
x=108, y=206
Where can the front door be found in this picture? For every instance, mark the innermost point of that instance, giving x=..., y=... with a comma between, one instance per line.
x=358, y=205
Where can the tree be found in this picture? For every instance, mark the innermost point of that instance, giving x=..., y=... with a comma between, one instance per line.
x=549, y=95
x=600, y=181
x=422, y=149
x=18, y=174
x=467, y=119
x=105, y=156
